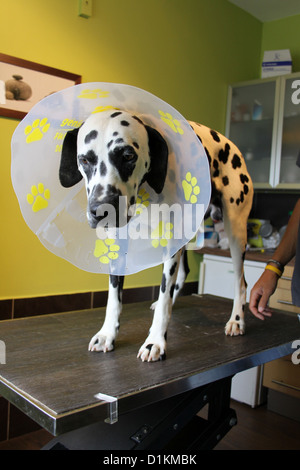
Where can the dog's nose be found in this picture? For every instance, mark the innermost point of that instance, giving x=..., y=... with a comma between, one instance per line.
x=95, y=213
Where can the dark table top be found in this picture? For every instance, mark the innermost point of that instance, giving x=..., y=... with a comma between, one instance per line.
x=51, y=376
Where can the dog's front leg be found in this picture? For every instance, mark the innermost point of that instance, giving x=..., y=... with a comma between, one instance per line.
x=154, y=348
x=104, y=340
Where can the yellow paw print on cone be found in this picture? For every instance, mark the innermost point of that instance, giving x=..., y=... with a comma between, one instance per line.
x=106, y=250
x=142, y=201
x=36, y=130
x=102, y=109
x=38, y=198
x=173, y=123
x=190, y=188
x=93, y=94
x=162, y=234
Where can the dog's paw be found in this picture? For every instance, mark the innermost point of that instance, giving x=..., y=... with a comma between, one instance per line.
x=235, y=328
x=152, y=351
x=153, y=305
x=101, y=342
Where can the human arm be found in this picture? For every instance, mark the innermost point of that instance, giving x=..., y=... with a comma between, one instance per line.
x=267, y=283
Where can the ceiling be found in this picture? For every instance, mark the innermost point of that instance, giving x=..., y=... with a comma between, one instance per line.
x=269, y=10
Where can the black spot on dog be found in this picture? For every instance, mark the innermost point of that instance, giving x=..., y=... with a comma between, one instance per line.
x=236, y=162
x=132, y=200
x=231, y=200
x=186, y=263
x=208, y=156
x=119, y=141
x=146, y=164
x=115, y=134
x=149, y=347
x=216, y=167
x=103, y=169
x=172, y=270
x=244, y=178
x=136, y=145
x=115, y=114
x=98, y=190
x=215, y=135
x=90, y=136
x=125, y=123
x=199, y=137
x=110, y=144
x=242, y=196
x=237, y=317
x=88, y=161
x=246, y=189
x=112, y=191
x=225, y=180
x=224, y=154
x=163, y=283
x=172, y=290
x=123, y=159
x=138, y=120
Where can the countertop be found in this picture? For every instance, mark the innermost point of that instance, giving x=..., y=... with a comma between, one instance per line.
x=252, y=255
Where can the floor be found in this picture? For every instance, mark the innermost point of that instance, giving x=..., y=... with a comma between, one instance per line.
x=257, y=429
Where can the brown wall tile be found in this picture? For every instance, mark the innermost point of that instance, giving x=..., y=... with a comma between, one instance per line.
x=6, y=308
x=51, y=304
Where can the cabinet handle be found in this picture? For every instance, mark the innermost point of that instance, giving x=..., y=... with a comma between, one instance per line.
x=286, y=385
x=286, y=278
x=286, y=302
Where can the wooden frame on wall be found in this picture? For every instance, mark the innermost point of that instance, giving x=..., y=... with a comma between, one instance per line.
x=24, y=83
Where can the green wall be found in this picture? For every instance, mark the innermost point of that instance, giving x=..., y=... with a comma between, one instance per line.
x=185, y=52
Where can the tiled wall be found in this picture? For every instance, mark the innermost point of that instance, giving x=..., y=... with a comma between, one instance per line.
x=13, y=422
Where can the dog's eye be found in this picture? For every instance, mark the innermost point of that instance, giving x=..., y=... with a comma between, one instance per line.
x=129, y=155
x=90, y=158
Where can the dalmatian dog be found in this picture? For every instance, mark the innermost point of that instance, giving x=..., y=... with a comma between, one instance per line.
x=115, y=153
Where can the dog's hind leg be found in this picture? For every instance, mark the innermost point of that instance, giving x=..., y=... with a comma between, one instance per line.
x=154, y=348
x=236, y=230
x=104, y=340
x=181, y=275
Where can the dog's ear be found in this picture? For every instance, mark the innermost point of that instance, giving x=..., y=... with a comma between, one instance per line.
x=159, y=160
x=69, y=174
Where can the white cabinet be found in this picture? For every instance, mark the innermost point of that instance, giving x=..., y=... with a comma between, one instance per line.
x=263, y=120
x=217, y=278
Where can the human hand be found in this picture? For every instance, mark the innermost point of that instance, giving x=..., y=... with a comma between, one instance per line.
x=260, y=294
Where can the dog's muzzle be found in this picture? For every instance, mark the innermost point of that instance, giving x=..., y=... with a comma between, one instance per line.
x=109, y=213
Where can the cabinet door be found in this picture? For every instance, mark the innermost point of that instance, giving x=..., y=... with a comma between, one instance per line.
x=252, y=118
x=217, y=276
x=287, y=172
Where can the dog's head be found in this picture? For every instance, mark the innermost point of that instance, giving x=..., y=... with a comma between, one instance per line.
x=115, y=153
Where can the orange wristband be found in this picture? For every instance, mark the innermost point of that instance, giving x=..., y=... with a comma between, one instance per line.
x=275, y=270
